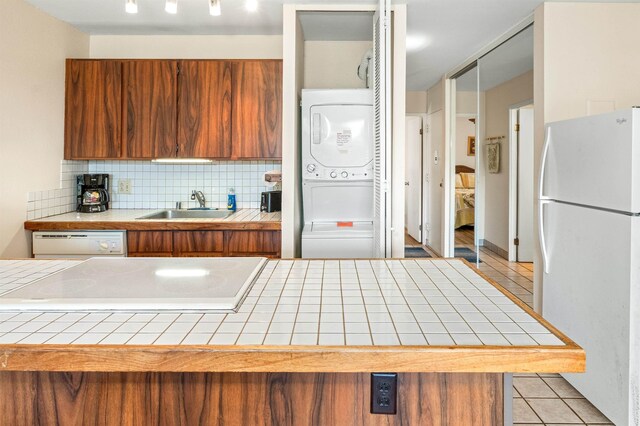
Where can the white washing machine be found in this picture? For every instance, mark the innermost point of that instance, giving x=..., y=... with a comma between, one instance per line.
x=337, y=176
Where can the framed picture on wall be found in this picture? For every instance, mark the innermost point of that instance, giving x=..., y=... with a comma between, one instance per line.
x=493, y=157
x=471, y=146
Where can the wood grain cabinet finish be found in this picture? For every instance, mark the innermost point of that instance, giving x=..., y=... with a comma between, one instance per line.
x=93, y=109
x=198, y=243
x=149, y=98
x=253, y=243
x=149, y=243
x=257, y=109
x=203, y=243
x=30, y=398
x=204, y=109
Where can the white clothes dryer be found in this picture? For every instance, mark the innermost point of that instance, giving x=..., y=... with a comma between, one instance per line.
x=337, y=177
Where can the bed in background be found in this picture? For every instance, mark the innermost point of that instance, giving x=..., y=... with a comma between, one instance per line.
x=465, y=184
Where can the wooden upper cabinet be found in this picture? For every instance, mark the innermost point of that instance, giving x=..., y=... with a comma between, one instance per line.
x=204, y=109
x=257, y=109
x=93, y=109
x=149, y=97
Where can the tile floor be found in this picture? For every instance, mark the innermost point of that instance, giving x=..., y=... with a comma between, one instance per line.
x=539, y=399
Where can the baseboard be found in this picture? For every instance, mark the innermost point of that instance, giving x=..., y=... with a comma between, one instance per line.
x=434, y=251
x=494, y=248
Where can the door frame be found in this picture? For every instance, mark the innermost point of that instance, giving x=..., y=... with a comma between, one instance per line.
x=513, y=177
x=424, y=171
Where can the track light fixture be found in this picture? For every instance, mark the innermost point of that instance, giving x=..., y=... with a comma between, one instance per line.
x=131, y=6
x=214, y=8
x=171, y=6
x=251, y=5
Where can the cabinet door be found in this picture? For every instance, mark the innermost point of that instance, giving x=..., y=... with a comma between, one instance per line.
x=149, y=244
x=204, y=109
x=93, y=109
x=257, y=109
x=150, y=95
x=198, y=243
x=253, y=243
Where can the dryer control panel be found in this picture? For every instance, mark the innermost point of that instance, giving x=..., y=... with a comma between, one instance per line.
x=313, y=171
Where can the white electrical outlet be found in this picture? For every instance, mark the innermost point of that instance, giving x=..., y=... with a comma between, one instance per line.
x=125, y=186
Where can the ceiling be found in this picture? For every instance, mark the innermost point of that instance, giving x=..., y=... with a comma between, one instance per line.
x=443, y=33
x=507, y=61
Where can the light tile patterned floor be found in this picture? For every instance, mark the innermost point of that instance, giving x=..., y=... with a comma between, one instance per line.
x=544, y=399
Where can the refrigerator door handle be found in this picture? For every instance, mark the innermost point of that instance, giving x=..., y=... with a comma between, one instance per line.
x=543, y=164
x=543, y=241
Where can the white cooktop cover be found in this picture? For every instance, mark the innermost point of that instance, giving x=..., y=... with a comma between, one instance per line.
x=176, y=284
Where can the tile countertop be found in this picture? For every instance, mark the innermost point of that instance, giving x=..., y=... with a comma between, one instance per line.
x=300, y=315
x=127, y=219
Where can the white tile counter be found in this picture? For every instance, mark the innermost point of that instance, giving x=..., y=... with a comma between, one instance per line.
x=125, y=215
x=317, y=303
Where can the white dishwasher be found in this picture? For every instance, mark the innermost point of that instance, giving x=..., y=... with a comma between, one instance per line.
x=79, y=244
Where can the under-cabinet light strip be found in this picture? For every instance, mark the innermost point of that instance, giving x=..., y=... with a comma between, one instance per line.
x=182, y=160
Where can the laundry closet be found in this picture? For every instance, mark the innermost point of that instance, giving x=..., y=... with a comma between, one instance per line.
x=337, y=190
x=337, y=137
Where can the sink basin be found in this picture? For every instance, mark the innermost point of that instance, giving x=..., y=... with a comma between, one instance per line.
x=188, y=214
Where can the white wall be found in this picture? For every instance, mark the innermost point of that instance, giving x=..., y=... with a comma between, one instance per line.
x=333, y=64
x=186, y=46
x=416, y=102
x=497, y=102
x=293, y=75
x=586, y=55
x=33, y=48
x=435, y=139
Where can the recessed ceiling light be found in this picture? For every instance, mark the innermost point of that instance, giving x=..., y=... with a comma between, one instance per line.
x=417, y=42
x=252, y=5
x=214, y=8
x=131, y=6
x=171, y=6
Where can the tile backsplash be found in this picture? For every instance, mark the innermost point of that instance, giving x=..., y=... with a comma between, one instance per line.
x=57, y=200
x=160, y=185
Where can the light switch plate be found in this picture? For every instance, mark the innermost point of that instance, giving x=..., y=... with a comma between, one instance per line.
x=125, y=186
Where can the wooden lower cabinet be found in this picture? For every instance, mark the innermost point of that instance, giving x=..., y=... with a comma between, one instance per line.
x=150, y=243
x=203, y=243
x=198, y=243
x=29, y=398
x=253, y=243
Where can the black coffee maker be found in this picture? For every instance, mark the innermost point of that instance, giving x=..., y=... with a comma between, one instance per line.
x=93, y=193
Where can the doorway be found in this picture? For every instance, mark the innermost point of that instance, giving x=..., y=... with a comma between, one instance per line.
x=521, y=175
x=413, y=177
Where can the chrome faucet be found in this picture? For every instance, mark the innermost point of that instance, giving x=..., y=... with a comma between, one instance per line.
x=200, y=196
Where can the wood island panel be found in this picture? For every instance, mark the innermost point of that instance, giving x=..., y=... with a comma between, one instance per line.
x=149, y=243
x=293, y=358
x=204, y=109
x=93, y=109
x=198, y=243
x=257, y=109
x=245, y=399
x=149, y=98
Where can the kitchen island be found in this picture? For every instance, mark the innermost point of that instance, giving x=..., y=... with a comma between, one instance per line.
x=299, y=350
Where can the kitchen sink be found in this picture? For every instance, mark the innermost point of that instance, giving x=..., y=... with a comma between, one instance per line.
x=188, y=214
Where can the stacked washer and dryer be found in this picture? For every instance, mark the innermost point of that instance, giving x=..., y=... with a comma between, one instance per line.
x=337, y=175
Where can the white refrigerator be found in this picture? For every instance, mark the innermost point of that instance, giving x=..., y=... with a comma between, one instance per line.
x=589, y=224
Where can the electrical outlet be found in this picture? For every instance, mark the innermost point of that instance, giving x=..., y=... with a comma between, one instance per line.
x=125, y=186
x=384, y=392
